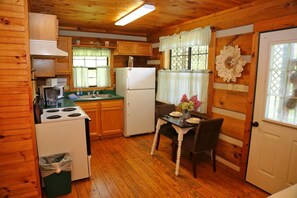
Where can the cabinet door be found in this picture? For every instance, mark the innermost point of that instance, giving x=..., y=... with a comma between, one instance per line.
x=64, y=64
x=126, y=48
x=134, y=48
x=111, y=117
x=40, y=30
x=93, y=124
x=44, y=67
x=91, y=109
x=144, y=49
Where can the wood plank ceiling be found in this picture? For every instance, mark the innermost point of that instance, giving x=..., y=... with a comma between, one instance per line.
x=100, y=15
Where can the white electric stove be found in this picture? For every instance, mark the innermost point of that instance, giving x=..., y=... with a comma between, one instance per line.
x=66, y=130
x=63, y=114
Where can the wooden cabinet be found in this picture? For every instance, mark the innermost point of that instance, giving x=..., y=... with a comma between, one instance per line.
x=106, y=117
x=64, y=64
x=111, y=117
x=43, y=26
x=44, y=67
x=55, y=66
x=134, y=48
x=144, y=49
x=91, y=108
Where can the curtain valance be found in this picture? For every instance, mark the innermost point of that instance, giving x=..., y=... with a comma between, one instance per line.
x=195, y=37
x=90, y=52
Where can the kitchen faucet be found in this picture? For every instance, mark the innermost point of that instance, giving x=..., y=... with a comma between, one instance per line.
x=93, y=93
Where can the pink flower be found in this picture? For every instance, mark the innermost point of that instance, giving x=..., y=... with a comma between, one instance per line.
x=196, y=102
x=189, y=104
x=184, y=98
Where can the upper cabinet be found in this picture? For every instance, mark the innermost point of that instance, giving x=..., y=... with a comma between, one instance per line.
x=44, y=67
x=133, y=48
x=51, y=66
x=40, y=30
x=64, y=64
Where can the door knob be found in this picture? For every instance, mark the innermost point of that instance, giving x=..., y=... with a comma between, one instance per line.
x=255, y=124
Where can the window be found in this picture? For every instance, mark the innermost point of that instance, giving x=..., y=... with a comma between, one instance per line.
x=192, y=58
x=178, y=81
x=282, y=86
x=172, y=85
x=91, y=67
x=186, y=55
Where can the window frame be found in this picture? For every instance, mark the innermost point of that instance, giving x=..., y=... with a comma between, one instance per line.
x=109, y=65
x=189, y=62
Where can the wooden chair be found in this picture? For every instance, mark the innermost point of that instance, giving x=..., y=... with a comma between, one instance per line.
x=166, y=129
x=204, y=138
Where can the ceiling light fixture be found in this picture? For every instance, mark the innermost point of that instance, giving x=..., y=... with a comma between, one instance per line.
x=139, y=12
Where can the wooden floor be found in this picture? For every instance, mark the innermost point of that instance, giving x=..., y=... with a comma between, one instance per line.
x=123, y=167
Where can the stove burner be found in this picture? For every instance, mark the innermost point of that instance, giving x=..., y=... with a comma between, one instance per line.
x=69, y=109
x=52, y=110
x=53, y=117
x=74, y=115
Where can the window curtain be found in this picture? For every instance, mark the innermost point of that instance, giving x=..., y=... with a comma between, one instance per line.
x=169, y=42
x=80, y=72
x=196, y=37
x=103, y=77
x=172, y=85
x=80, y=77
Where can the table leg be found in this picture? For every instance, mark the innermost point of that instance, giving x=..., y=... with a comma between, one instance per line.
x=160, y=122
x=181, y=132
x=178, y=155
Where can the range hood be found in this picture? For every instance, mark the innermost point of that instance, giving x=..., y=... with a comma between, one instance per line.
x=45, y=48
x=43, y=30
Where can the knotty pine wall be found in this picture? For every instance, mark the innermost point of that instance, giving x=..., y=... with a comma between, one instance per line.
x=234, y=101
x=19, y=175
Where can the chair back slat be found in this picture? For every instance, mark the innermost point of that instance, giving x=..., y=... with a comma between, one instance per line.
x=207, y=134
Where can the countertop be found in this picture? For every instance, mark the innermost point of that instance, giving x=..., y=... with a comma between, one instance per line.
x=66, y=102
x=114, y=97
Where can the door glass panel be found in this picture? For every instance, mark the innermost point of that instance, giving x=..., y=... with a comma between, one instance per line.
x=281, y=100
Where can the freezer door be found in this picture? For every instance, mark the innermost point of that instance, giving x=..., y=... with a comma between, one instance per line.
x=141, y=78
x=140, y=112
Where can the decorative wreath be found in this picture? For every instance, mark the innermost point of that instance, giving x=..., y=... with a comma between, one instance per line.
x=293, y=77
x=229, y=63
x=291, y=102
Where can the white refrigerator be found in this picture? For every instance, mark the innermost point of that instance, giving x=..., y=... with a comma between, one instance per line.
x=137, y=86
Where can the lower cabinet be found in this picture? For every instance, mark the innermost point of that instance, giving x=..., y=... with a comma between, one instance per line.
x=111, y=117
x=106, y=117
x=91, y=108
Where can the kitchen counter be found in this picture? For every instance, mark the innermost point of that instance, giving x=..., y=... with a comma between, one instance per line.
x=66, y=102
x=114, y=97
x=85, y=97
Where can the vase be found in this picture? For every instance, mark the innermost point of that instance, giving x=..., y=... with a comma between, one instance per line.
x=186, y=114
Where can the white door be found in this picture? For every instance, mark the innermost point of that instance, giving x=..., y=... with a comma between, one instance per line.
x=141, y=78
x=272, y=163
x=139, y=112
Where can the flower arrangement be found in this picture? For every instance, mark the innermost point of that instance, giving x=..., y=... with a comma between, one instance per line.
x=191, y=104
